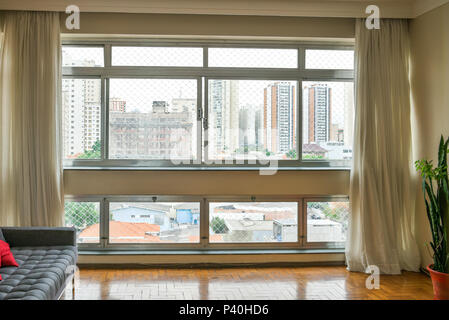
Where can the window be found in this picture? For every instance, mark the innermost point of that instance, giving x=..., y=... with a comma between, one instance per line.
x=80, y=115
x=157, y=56
x=253, y=58
x=74, y=56
x=330, y=59
x=189, y=222
x=142, y=125
x=153, y=223
x=247, y=222
x=237, y=110
x=328, y=112
x=207, y=104
x=85, y=218
x=327, y=221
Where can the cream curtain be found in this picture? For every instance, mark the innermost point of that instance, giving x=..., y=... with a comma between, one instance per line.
x=382, y=203
x=30, y=120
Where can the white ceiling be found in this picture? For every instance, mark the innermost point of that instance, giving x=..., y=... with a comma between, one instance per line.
x=294, y=8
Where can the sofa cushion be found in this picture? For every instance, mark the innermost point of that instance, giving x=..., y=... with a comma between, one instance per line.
x=7, y=258
x=1, y=235
x=41, y=273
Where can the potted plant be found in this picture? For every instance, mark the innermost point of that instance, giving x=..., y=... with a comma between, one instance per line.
x=435, y=185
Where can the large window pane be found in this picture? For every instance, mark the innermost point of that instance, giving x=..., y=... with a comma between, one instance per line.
x=330, y=59
x=85, y=218
x=253, y=58
x=327, y=221
x=157, y=56
x=82, y=56
x=328, y=116
x=247, y=222
x=81, y=101
x=161, y=222
x=152, y=119
x=252, y=119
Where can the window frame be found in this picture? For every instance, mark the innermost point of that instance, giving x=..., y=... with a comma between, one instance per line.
x=327, y=244
x=204, y=244
x=94, y=199
x=202, y=74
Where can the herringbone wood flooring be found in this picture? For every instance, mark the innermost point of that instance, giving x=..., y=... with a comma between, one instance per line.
x=245, y=283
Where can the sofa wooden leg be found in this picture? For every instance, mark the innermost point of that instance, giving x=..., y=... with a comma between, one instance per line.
x=73, y=287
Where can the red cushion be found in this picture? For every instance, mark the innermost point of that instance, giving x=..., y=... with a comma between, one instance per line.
x=6, y=257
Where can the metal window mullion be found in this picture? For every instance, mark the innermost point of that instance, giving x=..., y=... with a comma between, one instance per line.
x=302, y=219
x=103, y=118
x=205, y=126
x=105, y=223
x=107, y=55
x=106, y=120
x=299, y=122
x=199, y=120
x=336, y=75
x=301, y=58
x=204, y=221
x=205, y=57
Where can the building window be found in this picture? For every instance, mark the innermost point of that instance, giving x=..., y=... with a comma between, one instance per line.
x=195, y=104
x=183, y=222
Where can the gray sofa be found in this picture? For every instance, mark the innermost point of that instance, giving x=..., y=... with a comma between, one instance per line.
x=46, y=259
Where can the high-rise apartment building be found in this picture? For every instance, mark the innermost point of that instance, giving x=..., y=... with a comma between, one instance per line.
x=155, y=135
x=318, y=128
x=279, y=117
x=250, y=130
x=117, y=105
x=348, y=131
x=81, y=100
x=223, y=116
x=82, y=114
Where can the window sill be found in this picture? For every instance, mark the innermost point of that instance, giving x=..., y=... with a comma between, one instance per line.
x=86, y=168
x=208, y=252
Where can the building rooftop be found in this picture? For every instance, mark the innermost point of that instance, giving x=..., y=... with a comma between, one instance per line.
x=124, y=232
x=248, y=225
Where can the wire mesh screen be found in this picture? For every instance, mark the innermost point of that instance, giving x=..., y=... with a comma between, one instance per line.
x=327, y=221
x=85, y=218
x=82, y=56
x=253, y=58
x=157, y=56
x=252, y=120
x=81, y=101
x=161, y=222
x=327, y=120
x=330, y=59
x=153, y=119
x=249, y=222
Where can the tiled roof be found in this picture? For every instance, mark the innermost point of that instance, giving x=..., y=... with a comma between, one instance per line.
x=125, y=232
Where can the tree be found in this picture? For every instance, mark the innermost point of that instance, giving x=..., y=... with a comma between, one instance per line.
x=218, y=225
x=291, y=154
x=81, y=214
x=94, y=153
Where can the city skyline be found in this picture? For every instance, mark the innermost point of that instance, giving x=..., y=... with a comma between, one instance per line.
x=255, y=118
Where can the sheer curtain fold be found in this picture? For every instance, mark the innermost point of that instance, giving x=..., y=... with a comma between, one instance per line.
x=381, y=195
x=30, y=119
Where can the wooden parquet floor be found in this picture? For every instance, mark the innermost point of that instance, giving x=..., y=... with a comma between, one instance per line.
x=332, y=282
